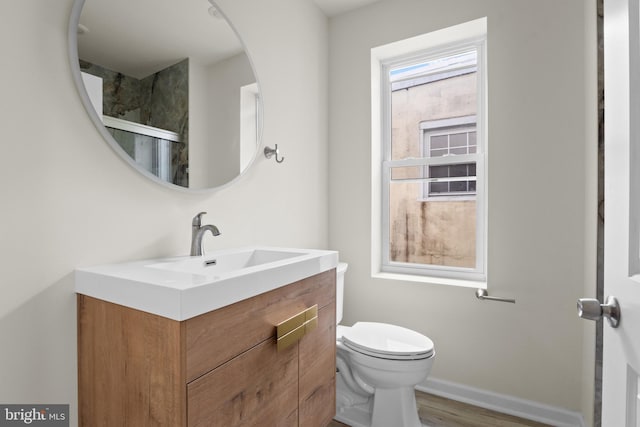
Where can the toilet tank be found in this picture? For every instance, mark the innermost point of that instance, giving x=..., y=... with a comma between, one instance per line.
x=342, y=268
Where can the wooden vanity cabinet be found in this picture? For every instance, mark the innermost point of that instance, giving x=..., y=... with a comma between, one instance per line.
x=221, y=368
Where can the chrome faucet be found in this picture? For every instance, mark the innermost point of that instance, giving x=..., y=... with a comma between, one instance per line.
x=197, y=233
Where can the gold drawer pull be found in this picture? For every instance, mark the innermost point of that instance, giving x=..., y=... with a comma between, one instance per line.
x=295, y=327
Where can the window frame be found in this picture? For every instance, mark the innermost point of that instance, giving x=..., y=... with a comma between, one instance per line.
x=450, y=41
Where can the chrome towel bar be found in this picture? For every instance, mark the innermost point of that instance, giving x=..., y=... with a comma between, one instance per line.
x=483, y=294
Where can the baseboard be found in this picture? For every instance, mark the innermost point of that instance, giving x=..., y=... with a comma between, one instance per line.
x=522, y=408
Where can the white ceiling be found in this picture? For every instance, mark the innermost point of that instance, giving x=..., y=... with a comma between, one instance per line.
x=337, y=7
x=141, y=37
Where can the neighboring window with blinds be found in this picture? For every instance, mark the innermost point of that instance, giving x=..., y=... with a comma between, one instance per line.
x=447, y=139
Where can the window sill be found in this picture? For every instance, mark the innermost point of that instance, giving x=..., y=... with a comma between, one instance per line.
x=451, y=198
x=430, y=279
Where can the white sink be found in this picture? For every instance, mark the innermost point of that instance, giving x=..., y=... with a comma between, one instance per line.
x=184, y=287
x=225, y=262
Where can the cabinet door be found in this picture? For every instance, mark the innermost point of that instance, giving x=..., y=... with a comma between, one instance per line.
x=318, y=371
x=257, y=388
x=130, y=370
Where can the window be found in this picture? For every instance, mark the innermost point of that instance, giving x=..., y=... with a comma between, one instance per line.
x=447, y=139
x=429, y=156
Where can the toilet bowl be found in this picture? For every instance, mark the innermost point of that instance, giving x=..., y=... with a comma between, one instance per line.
x=379, y=366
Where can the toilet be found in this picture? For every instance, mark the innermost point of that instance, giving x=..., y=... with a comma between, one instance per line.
x=378, y=366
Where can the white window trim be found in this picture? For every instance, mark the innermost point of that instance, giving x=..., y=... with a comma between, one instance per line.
x=445, y=41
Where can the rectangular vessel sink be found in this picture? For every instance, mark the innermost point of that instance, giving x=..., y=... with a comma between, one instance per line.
x=224, y=262
x=183, y=287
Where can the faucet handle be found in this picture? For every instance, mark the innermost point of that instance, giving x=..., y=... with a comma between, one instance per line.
x=197, y=220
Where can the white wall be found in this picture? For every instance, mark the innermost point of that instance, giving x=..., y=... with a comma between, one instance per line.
x=214, y=119
x=68, y=200
x=225, y=80
x=199, y=116
x=541, y=100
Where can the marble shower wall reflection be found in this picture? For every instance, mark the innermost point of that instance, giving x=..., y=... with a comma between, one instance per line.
x=160, y=100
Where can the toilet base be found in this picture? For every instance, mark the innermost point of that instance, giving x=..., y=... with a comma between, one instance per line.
x=395, y=407
x=391, y=407
x=354, y=417
x=358, y=416
x=351, y=409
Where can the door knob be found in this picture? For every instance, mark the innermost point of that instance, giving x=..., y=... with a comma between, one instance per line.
x=591, y=309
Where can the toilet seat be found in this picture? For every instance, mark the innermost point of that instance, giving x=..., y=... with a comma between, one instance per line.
x=386, y=341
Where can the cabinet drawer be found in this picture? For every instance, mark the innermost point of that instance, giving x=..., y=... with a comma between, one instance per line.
x=257, y=388
x=215, y=337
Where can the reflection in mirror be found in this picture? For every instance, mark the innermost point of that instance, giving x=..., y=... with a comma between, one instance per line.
x=169, y=86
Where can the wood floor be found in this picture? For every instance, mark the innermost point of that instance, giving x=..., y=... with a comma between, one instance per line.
x=440, y=412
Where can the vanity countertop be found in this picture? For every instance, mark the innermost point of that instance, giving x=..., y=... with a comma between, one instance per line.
x=184, y=287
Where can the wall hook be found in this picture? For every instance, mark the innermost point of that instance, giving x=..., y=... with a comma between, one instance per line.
x=269, y=152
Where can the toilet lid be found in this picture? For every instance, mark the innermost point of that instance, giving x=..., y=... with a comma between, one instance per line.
x=387, y=341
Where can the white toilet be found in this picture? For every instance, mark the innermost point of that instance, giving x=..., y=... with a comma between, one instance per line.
x=379, y=365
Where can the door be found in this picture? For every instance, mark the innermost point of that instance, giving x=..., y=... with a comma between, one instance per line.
x=621, y=353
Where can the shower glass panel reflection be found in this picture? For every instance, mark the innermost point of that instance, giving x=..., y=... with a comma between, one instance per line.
x=152, y=148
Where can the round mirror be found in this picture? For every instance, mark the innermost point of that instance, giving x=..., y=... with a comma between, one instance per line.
x=170, y=87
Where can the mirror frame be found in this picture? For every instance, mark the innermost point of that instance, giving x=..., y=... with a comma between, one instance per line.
x=74, y=20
